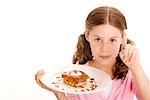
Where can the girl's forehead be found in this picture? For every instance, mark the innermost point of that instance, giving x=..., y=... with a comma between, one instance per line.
x=105, y=30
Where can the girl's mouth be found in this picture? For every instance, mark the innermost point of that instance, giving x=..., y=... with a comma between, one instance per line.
x=104, y=57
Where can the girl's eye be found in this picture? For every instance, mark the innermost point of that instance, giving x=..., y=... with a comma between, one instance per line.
x=113, y=40
x=97, y=39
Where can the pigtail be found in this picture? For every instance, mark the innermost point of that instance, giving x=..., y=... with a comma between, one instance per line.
x=83, y=52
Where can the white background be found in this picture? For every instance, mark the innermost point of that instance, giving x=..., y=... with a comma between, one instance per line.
x=42, y=34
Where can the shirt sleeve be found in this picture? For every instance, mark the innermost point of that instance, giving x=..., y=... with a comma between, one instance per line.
x=134, y=88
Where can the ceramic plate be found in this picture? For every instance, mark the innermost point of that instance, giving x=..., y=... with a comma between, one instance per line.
x=98, y=80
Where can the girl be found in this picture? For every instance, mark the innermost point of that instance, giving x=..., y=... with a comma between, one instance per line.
x=104, y=45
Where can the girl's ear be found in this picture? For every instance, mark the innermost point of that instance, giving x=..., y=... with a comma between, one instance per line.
x=86, y=36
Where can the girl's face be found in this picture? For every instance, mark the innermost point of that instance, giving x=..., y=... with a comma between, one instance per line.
x=105, y=43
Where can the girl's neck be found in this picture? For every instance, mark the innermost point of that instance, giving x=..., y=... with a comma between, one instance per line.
x=108, y=68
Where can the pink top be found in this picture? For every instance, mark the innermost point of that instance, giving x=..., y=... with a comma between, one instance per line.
x=120, y=90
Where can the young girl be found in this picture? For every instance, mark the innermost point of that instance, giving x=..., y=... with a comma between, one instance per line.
x=104, y=45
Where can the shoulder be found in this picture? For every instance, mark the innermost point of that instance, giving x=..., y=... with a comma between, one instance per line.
x=128, y=79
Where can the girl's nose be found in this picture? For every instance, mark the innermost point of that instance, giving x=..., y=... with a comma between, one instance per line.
x=104, y=47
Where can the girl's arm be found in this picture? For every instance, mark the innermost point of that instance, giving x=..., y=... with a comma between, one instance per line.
x=130, y=56
x=142, y=82
x=59, y=95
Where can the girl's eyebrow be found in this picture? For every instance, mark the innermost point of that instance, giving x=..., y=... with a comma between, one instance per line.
x=115, y=37
x=111, y=37
x=96, y=36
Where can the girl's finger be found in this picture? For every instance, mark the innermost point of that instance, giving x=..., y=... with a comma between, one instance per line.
x=122, y=56
x=125, y=53
x=134, y=56
x=39, y=74
x=124, y=40
x=130, y=53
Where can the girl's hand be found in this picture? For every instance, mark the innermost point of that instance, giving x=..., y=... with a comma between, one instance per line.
x=38, y=76
x=129, y=54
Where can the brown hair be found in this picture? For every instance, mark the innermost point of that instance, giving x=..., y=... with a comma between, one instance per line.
x=99, y=16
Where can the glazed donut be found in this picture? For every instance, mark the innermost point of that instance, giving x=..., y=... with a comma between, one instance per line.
x=75, y=78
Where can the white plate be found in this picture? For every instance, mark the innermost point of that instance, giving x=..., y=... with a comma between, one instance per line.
x=56, y=82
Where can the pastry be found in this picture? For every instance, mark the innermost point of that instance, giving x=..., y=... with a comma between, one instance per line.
x=75, y=78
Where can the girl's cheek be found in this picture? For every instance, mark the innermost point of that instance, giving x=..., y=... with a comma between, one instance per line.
x=117, y=49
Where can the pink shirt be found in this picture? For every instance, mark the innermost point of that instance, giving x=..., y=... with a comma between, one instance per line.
x=120, y=90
